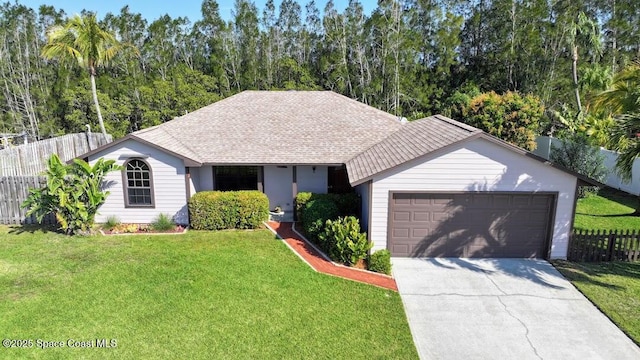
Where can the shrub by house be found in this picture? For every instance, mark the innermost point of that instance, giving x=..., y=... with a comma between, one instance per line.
x=217, y=210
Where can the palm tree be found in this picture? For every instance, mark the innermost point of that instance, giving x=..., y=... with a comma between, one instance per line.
x=623, y=96
x=83, y=40
x=622, y=100
x=581, y=30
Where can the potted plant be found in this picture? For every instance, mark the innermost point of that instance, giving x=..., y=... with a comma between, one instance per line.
x=278, y=210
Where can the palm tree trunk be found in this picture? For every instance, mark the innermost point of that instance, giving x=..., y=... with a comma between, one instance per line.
x=95, y=101
x=574, y=68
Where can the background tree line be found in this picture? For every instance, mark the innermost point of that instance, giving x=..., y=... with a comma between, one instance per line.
x=411, y=58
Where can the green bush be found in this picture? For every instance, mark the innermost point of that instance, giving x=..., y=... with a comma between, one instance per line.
x=163, y=222
x=511, y=117
x=302, y=198
x=314, y=216
x=380, y=261
x=217, y=210
x=580, y=156
x=344, y=241
x=348, y=204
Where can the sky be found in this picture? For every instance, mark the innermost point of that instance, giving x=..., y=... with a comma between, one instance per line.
x=153, y=9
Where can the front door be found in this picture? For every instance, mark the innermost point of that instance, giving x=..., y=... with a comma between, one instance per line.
x=278, y=186
x=338, y=180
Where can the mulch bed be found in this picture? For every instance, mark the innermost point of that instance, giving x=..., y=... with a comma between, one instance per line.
x=137, y=229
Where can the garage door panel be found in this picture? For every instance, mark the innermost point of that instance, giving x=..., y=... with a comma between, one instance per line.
x=401, y=216
x=402, y=199
x=419, y=233
x=401, y=233
x=470, y=224
x=540, y=201
x=439, y=216
x=421, y=216
x=521, y=200
x=421, y=200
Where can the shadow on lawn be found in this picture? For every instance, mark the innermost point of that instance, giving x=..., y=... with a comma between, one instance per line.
x=619, y=196
x=609, y=215
x=31, y=229
x=589, y=273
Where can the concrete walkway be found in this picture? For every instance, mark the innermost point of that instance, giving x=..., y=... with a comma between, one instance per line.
x=503, y=309
x=321, y=263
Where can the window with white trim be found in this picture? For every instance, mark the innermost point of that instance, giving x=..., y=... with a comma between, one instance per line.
x=138, y=184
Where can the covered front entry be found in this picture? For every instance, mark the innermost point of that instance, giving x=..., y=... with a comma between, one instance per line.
x=471, y=225
x=278, y=185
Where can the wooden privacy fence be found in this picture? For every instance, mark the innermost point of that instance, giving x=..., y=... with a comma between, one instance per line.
x=31, y=159
x=13, y=191
x=603, y=245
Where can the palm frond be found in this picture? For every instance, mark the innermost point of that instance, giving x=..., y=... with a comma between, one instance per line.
x=628, y=125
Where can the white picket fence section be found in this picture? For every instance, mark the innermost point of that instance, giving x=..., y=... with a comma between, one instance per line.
x=31, y=159
x=614, y=180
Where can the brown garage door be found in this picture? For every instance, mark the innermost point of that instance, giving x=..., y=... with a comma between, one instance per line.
x=486, y=224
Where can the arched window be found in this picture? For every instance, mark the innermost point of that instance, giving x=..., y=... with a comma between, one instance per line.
x=138, y=184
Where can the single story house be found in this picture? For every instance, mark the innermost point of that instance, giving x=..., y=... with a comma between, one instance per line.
x=430, y=187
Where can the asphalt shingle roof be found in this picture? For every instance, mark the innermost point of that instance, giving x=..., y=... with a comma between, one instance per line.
x=412, y=140
x=275, y=127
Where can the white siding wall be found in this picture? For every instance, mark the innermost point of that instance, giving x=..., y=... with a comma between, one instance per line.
x=311, y=181
x=168, y=181
x=478, y=165
x=363, y=191
x=206, y=179
x=194, y=183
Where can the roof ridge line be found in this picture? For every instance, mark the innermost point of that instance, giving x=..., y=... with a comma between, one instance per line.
x=181, y=143
x=361, y=104
x=373, y=145
x=455, y=123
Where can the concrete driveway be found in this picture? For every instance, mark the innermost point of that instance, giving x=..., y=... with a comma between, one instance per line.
x=502, y=309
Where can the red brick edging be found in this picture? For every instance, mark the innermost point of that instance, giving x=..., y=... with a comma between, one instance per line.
x=316, y=261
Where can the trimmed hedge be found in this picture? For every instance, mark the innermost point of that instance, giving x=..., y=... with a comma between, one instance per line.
x=315, y=215
x=217, y=210
x=348, y=204
x=380, y=261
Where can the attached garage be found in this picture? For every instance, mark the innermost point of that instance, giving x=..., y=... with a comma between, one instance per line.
x=479, y=224
x=440, y=188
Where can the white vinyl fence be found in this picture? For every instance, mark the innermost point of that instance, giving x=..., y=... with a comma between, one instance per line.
x=610, y=157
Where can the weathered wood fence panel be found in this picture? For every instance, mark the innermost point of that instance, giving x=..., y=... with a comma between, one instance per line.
x=13, y=191
x=602, y=245
x=31, y=159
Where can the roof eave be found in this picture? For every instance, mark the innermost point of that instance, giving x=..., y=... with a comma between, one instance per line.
x=586, y=181
x=583, y=180
x=187, y=161
x=474, y=135
x=270, y=164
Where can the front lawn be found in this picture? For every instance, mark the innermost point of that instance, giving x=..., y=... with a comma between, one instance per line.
x=608, y=210
x=612, y=287
x=203, y=295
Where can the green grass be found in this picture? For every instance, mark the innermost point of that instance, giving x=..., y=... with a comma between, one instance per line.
x=609, y=210
x=202, y=295
x=612, y=287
